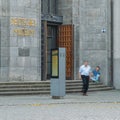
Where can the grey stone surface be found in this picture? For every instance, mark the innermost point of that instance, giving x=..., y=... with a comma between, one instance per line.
x=94, y=44
x=116, y=38
x=116, y=73
x=14, y=52
x=24, y=52
x=65, y=10
x=34, y=52
x=30, y=74
x=4, y=61
x=96, y=106
x=13, y=41
x=75, y=10
x=34, y=62
x=16, y=74
x=89, y=19
x=4, y=73
x=19, y=52
x=4, y=51
x=4, y=40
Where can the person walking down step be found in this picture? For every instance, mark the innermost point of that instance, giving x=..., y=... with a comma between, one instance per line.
x=84, y=74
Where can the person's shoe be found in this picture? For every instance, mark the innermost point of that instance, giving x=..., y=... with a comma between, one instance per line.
x=85, y=94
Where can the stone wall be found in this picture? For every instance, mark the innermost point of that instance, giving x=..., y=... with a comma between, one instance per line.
x=20, y=40
x=20, y=23
x=76, y=23
x=4, y=39
x=116, y=50
x=92, y=39
x=94, y=34
x=65, y=10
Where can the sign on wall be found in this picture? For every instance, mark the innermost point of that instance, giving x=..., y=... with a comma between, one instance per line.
x=23, y=26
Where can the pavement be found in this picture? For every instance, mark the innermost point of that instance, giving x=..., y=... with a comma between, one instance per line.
x=102, y=105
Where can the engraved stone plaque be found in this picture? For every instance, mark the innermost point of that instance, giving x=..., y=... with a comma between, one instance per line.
x=24, y=52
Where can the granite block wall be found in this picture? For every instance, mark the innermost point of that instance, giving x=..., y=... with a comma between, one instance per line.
x=4, y=40
x=20, y=37
x=116, y=48
x=92, y=39
x=20, y=22
x=94, y=34
x=65, y=10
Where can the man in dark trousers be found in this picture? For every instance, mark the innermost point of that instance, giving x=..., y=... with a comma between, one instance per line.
x=84, y=74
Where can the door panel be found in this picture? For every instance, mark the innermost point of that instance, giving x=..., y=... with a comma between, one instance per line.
x=51, y=44
x=65, y=39
x=43, y=49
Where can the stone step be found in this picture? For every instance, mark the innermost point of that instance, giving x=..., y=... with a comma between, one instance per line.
x=39, y=84
x=24, y=83
x=80, y=84
x=48, y=92
x=90, y=89
x=26, y=88
x=90, y=86
x=42, y=85
x=24, y=92
x=45, y=88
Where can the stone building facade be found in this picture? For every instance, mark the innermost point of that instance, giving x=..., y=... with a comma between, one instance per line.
x=29, y=29
x=20, y=22
x=92, y=29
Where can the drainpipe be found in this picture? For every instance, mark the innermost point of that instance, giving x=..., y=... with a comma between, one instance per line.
x=112, y=43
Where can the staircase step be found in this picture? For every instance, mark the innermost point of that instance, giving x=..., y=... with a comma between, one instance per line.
x=43, y=87
x=38, y=84
x=80, y=84
x=12, y=84
x=25, y=83
x=48, y=92
x=25, y=93
x=90, y=86
x=24, y=86
x=90, y=90
x=25, y=89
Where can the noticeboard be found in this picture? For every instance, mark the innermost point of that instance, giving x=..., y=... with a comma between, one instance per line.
x=55, y=63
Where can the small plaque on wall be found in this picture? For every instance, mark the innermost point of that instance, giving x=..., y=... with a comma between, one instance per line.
x=24, y=52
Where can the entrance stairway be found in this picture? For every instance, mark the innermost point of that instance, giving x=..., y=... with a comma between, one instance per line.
x=33, y=88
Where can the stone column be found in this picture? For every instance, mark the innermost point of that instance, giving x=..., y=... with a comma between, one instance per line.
x=4, y=40
x=116, y=39
x=76, y=21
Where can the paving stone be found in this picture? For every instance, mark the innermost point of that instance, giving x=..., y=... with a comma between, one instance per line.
x=96, y=106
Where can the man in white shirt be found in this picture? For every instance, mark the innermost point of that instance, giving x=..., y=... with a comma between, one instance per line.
x=84, y=74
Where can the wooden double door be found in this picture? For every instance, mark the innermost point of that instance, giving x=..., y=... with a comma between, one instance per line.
x=54, y=36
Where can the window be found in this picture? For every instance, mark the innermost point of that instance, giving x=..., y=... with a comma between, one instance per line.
x=49, y=7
